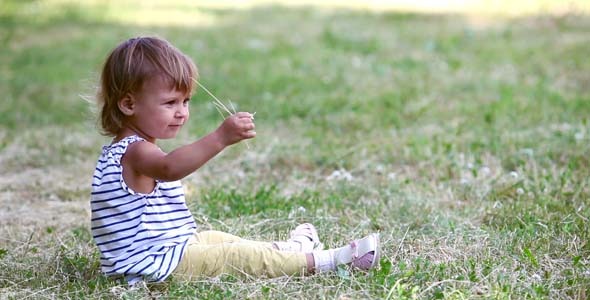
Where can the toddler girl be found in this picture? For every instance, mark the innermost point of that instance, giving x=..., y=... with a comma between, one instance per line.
x=140, y=220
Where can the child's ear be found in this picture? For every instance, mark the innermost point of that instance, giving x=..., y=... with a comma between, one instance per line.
x=127, y=105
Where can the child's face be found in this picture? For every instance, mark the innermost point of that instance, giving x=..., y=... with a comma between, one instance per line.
x=160, y=111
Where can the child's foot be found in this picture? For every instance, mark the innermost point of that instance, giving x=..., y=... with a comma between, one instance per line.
x=362, y=254
x=304, y=238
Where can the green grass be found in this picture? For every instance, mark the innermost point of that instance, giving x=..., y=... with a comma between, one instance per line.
x=466, y=138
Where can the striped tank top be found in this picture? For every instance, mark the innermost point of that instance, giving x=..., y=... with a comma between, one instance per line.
x=140, y=236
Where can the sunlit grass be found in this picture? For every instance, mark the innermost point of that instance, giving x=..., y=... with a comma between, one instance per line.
x=195, y=13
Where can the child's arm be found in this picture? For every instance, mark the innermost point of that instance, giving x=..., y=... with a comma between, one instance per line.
x=148, y=160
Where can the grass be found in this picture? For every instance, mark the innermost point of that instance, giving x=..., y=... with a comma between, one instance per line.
x=462, y=138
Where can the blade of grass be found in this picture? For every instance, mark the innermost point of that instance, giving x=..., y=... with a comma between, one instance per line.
x=220, y=106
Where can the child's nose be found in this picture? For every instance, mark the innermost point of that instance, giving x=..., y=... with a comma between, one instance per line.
x=182, y=112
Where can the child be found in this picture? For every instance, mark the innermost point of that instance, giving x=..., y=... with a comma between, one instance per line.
x=140, y=221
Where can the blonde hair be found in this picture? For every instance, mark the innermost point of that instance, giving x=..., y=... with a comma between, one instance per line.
x=133, y=63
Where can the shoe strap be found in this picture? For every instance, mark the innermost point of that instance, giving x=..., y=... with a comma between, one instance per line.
x=356, y=249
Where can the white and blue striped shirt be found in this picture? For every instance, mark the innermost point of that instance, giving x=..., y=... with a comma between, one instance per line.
x=140, y=236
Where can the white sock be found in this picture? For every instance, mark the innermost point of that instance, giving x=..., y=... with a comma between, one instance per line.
x=328, y=260
x=324, y=260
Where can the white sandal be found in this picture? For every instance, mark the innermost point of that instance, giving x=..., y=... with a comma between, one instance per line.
x=304, y=238
x=362, y=254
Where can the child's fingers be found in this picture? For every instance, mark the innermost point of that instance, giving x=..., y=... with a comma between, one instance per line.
x=244, y=115
x=247, y=125
x=240, y=119
x=249, y=134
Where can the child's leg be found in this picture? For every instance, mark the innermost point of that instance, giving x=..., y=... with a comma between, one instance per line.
x=304, y=238
x=211, y=237
x=238, y=258
x=211, y=253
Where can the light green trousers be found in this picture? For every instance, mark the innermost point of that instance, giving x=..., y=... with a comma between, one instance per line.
x=211, y=253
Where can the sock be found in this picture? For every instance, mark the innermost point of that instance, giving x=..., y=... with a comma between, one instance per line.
x=328, y=260
x=324, y=260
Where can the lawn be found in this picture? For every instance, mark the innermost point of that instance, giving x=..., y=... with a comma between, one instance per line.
x=462, y=137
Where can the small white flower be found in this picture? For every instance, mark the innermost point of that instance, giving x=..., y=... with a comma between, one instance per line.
x=464, y=181
x=579, y=136
x=380, y=169
x=335, y=175
x=347, y=176
x=391, y=176
x=340, y=175
x=519, y=191
x=513, y=174
x=357, y=61
x=528, y=152
x=294, y=212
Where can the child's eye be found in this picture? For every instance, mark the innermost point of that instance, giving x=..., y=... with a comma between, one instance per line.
x=186, y=101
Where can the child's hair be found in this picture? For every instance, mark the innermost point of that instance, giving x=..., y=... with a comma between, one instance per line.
x=133, y=63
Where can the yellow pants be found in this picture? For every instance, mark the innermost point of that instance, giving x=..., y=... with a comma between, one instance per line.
x=211, y=253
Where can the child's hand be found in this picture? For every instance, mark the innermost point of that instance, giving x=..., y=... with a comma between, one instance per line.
x=237, y=127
